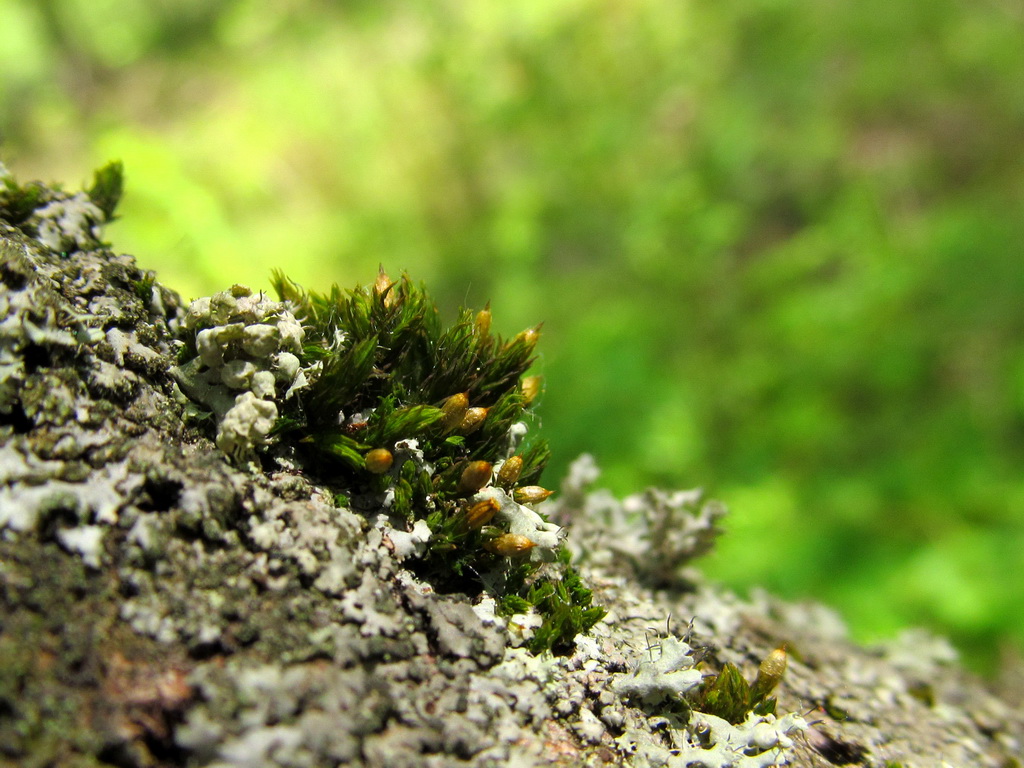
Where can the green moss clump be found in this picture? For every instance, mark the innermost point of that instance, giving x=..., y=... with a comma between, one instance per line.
x=18, y=202
x=383, y=354
x=730, y=697
x=107, y=188
x=430, y=419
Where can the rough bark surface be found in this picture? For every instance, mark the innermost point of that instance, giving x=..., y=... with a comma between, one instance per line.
x=160, y=606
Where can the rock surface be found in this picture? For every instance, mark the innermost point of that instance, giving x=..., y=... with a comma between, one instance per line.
x=161, y=606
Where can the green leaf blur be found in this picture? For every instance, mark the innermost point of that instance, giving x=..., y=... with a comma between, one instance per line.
x=776, y=245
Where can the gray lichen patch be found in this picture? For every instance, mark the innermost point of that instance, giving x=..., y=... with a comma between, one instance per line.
x=651, y=536
x=68, y=398
x=668, y=672
x=163, y=606
x=246, y=361
x=72, y=223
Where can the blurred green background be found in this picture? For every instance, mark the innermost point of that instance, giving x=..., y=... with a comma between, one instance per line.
x=777, y=246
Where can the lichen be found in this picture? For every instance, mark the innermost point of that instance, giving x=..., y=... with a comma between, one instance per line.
x=242, y=352
x=69, y=224
x=60, y=221
x=651, y=535
x=669, y=672
x=710, y=725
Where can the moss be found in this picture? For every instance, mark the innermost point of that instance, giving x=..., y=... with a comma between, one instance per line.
x=729, y=696
x=461, y=393
x=107, y=188
x=564, y=602
x=397, y=411
x=144, y=288
x=17, y=202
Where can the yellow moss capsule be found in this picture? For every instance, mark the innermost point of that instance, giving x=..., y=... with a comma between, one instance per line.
x=531, y=388
x=473, y=420
x=510, y=470
x=481, y=513
x=475, y=476
x=528, y=338
x=454, y=409
x=382, y=286
x=769, y=674
x=482, y=323
x=379, y=461
x=510, y=545
x=530, y=494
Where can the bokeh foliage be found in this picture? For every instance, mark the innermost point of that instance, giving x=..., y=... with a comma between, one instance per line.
x=776, y=245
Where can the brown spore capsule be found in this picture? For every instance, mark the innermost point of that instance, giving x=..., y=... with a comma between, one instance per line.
x=530, y=387
x=482, y=322
x=530, y=494
x=770, y=673
x=454, y=411
x=382, y=286
x=475, y=476
x=481, y=513
x=510, y=471
x=473, y=420
x=379, y=460
x=510, y=545
x=528, y=338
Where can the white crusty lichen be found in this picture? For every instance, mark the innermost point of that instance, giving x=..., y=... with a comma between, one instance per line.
x=12, y=378
x=247, y=361
x=700, y=740
x=668, y=671
x=246, y=424
x=760, y=741
x=653, y=534
x=27, y=502
x=26, y=320
x=68, y=224
x=407, y=543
